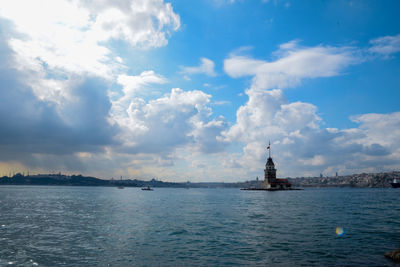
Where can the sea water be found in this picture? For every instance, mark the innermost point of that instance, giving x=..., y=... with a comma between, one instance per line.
x=106, y=226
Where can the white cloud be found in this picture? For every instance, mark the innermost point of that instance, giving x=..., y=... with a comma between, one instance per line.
x=380, y=128
x=61, y=39
x=219, y=3
x=268, y=116
x=163, y=124
x=63, y=54
x=222, y=103
x=386, y=45
x=294, y=63
x=131, y=84
x=206, y=67
x=145, y=23
x=317, y=160
x=160, y=126
x=300, y=145
x=207, y=134
x=60, y=64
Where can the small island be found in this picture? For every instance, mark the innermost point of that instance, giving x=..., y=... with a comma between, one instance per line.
x=271, y=183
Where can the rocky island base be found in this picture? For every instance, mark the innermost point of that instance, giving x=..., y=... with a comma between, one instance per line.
x=393, y=255
x=271, y=189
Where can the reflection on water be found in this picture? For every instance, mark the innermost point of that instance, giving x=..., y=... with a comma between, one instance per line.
x=94, y=226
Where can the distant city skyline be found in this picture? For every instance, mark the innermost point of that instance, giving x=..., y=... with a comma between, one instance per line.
x=194, y=90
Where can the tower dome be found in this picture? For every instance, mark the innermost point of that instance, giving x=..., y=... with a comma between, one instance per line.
x=269, y=164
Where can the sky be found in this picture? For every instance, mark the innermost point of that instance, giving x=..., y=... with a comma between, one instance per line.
x=195, y=90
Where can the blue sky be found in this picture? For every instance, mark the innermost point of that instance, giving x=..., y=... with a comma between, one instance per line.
x=181, y=90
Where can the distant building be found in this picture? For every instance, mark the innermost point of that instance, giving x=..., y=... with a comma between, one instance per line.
x=270, y=181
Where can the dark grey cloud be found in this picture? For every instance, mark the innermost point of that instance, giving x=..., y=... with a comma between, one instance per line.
x=30, y=125
x=376, y=150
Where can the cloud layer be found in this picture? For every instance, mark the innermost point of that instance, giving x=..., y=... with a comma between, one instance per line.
x=57, y=71
x=69, y=102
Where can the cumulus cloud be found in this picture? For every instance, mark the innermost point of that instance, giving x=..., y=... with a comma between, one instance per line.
x=61, y=77
x=145, y=23
x=301, y=146
x=207, y=135
x=163, y=124
x=206, y=67
x=380, y=128
x=385, y=45
x=57, y=66
x=33, y=126
x=269, y=116
x=54, y=40
x=300, y=143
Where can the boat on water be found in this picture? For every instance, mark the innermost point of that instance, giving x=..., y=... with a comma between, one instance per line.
x=147, y=188
x=395, y=184
x=120, y=186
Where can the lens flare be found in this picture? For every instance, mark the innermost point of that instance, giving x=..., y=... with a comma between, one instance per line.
x=339, y=231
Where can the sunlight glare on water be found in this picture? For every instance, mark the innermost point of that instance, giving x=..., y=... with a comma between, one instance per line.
x=339, y=231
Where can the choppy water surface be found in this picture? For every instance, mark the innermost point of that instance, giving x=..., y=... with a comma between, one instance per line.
x=100, y=226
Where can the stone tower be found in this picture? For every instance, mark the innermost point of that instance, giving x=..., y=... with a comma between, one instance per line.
x=270, y=171
x=270, y=181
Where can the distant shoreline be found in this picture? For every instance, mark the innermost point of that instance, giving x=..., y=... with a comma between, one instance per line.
x=363, y=180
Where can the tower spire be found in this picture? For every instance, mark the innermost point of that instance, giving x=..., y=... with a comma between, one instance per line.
x=269, y=148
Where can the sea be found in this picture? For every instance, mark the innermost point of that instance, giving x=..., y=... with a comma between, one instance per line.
x=107, y=226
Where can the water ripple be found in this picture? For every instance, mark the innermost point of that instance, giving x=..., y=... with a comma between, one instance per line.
x=94, y=226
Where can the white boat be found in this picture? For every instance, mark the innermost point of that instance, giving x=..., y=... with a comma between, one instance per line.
x=395, y=184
